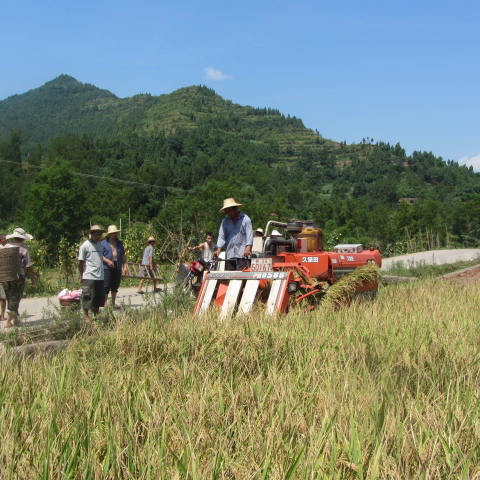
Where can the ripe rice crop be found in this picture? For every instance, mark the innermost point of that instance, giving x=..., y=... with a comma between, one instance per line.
x=388, y=389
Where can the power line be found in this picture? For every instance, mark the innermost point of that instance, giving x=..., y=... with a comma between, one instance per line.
x=80, y=174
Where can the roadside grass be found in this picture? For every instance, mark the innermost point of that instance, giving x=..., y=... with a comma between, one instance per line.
x=388, y=389
x=422, y=270
x=66, y=323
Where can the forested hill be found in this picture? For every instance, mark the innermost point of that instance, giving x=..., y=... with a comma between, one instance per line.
x=65, y=105
x=71, y=154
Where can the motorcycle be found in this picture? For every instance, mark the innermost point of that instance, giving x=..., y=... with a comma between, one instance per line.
x=190, y=275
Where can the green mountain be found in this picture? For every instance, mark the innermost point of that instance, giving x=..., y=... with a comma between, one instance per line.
x=72, y=154
x=60, y=106
x=65, y=105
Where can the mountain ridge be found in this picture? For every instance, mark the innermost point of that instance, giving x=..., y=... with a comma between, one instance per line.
x=65, y=105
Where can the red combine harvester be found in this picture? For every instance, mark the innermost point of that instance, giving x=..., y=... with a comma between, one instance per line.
x=291, y=271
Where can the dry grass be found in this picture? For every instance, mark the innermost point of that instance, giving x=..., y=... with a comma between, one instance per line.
x=383, y=390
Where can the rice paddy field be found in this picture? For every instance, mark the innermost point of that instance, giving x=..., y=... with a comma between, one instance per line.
x=382, y=390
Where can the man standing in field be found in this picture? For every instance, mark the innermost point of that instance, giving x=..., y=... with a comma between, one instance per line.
x=236, y=235
x=114, y=263
x=90, y=266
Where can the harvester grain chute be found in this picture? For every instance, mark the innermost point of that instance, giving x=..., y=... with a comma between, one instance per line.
x=293, y=271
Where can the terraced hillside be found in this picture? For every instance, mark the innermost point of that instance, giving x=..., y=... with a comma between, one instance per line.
x=65, y=105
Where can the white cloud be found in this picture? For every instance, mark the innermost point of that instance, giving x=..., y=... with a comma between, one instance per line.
x=214, y=74
x=471, y=162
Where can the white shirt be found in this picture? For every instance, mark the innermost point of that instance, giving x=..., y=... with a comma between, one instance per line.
x=92, y=254
x=257, y=245
x=207, y=252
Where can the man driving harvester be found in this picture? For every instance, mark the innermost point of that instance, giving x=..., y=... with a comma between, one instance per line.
x=236, y=235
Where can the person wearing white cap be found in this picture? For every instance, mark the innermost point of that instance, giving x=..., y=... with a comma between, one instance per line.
x=236, y=235
x=14, y=289
x=257, y=248
x=90, y=266
x=21, y=234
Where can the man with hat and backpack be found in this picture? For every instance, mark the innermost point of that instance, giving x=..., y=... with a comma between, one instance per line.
x=236, y=235
x=14, y=289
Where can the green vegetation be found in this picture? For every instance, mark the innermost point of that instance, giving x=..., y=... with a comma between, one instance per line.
x=382, y=390
x=73, y=154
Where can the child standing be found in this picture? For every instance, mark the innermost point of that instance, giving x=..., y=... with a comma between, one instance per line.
x=148, y=266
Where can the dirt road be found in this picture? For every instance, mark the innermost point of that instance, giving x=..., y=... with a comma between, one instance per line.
x=465, y=275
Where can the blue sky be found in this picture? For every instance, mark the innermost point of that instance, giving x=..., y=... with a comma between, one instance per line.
x=394, y=71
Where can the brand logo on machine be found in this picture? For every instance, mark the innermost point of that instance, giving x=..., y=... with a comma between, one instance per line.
x=269, y=276
x=309, y=259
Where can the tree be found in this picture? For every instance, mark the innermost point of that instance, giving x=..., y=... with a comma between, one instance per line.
x=11, y=178
x=55, y=205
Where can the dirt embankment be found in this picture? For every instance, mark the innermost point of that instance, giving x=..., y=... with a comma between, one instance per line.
x=466, y=275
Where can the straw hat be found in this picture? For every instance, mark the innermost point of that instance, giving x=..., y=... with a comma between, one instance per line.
x=112, y=229
x=19, y=232
x=96, y=228
x=259, y=230
x=151, y=239
x=228, y=203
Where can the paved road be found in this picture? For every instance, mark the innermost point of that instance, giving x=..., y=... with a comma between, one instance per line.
x=432, y=257
x=39, y=310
